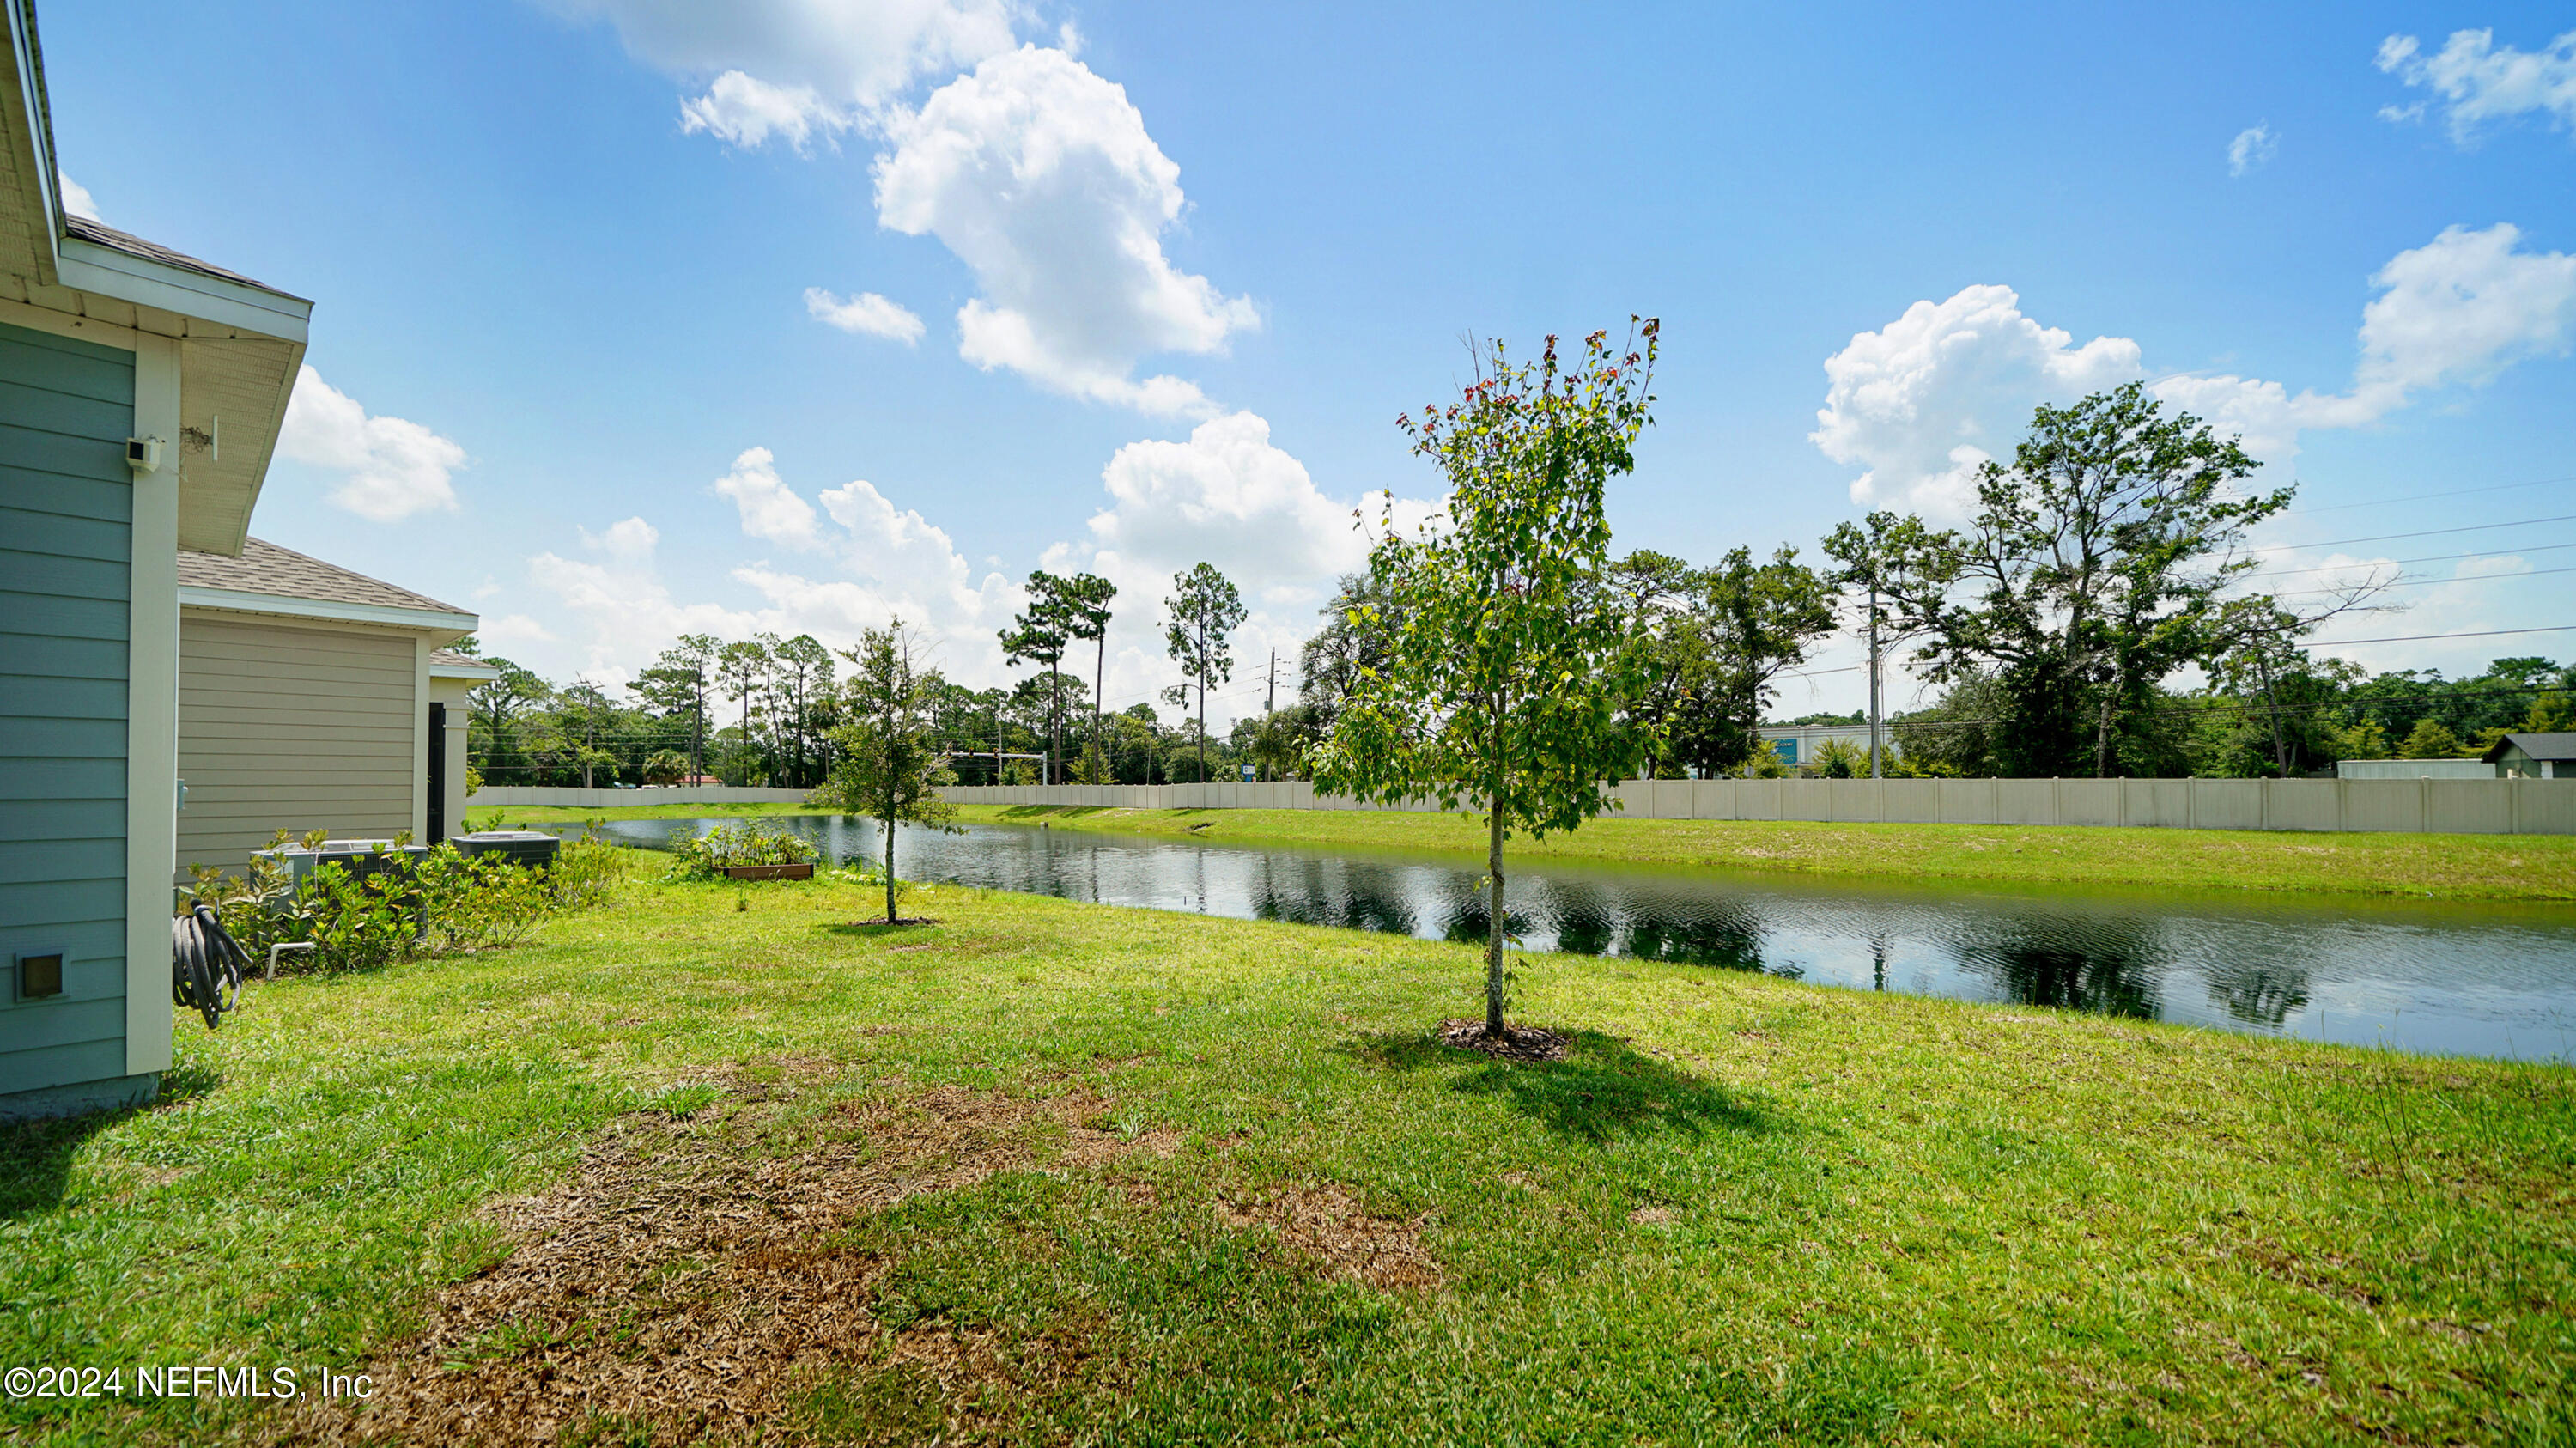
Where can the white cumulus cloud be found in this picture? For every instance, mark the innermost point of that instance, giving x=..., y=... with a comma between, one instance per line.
x=742, y=111
x=76, y=199
x=2461, y=309
x=791, y=68
x=770, y=510
x=1923, y=402
x=2252, y=147
x=2476, y=81
x=866, y=314
x=389, y=468
x=1229, y=496
x=884, y=562
x=1040, y=176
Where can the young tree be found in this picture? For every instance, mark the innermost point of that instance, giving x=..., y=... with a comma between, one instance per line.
x=677, y=683
x=1511, y=671
x=1205, y=611
x=1086, y=599
x=2092, y=571
x=1039, y=635
x=889, y=765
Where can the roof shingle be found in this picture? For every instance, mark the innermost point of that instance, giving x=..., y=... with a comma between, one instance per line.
x=132, y=245
x=2557, y=748
x=263, y=567
x=451, y=659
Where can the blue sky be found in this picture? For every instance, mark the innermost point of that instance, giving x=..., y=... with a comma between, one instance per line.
x=1157, y=278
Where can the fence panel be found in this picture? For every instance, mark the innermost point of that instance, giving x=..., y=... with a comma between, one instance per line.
x=2450, y=806
x=2466, y=807
x=2382, y=804
x=2225, y=804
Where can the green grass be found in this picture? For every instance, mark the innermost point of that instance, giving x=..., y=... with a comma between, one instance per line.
x=2437, y=867
x=512, y=816
x=1743, y=1210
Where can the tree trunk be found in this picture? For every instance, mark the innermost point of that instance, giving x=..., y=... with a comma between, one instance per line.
x=1494, y=884
x=1494, y=916
x=1055, y=724
x=1203, y=774
x=888, y=826
x=2272, y=703
x=2102, y=731
x=1099, y=674
x=1873, y=683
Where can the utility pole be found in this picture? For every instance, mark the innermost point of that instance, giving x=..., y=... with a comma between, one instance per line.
x=1273, y=701
x=1873, y=681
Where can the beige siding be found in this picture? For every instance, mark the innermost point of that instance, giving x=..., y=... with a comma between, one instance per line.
x=291, y=727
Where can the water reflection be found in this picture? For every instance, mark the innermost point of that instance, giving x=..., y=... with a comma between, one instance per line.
x=2102, y=964
x=2258, y=995
x=2484, y=980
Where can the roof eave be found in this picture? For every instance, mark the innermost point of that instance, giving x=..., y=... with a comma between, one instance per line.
x=234, y=600
x=104, y=271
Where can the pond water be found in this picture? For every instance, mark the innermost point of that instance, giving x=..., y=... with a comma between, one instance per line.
x=2480, y=980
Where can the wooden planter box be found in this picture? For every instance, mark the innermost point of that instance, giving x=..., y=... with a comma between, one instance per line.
x=770, y=872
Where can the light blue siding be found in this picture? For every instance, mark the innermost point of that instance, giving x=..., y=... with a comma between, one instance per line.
x=66, y=542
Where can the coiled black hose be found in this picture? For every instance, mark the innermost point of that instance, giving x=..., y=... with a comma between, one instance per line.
x=206, y=964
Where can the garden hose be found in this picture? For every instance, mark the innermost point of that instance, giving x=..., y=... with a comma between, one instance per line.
x=204, y=961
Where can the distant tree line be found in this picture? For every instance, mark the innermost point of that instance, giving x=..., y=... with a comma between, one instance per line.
x=2096, y=616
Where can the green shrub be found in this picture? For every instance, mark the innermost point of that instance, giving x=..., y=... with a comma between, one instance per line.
x=585, y=873
x=447, y=903
x=751, y=843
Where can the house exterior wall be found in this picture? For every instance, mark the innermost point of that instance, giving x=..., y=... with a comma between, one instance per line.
x=296, y=725
x=2416, y=769
x=69, y=637
x=457, y=695
x=2517, y=763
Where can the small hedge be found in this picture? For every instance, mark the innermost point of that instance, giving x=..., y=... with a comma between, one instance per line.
x=448, y=903
x=750, y=843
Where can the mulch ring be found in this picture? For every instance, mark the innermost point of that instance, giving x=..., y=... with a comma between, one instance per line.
x=684, y=1288
x=1518, y=1043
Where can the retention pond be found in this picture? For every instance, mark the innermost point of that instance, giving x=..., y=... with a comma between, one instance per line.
x=2457, y=979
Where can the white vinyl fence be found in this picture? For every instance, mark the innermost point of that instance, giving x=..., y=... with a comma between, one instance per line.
x=2441, y=806
x=548, y=797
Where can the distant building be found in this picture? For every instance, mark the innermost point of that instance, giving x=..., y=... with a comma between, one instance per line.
x=2534, y=756
x=1799, y=744
x=2414, y=769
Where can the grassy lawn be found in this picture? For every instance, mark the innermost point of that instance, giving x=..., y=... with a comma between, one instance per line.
x=512, y=816
x=2439, y=867
x=717, y=1157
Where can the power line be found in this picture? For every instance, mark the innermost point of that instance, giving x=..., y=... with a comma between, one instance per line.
x=2426, y=533
x=2392, y=562
x=2425, y=497
x=2422, y=638
x=2428, y=582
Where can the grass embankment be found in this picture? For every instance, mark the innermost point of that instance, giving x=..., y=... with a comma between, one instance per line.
x=1049, y=1172
x=512, y=816
x=2440, y=867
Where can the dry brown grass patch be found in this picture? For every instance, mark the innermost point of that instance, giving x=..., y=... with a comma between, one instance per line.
x=1328, y=1225
x=687, y=1289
